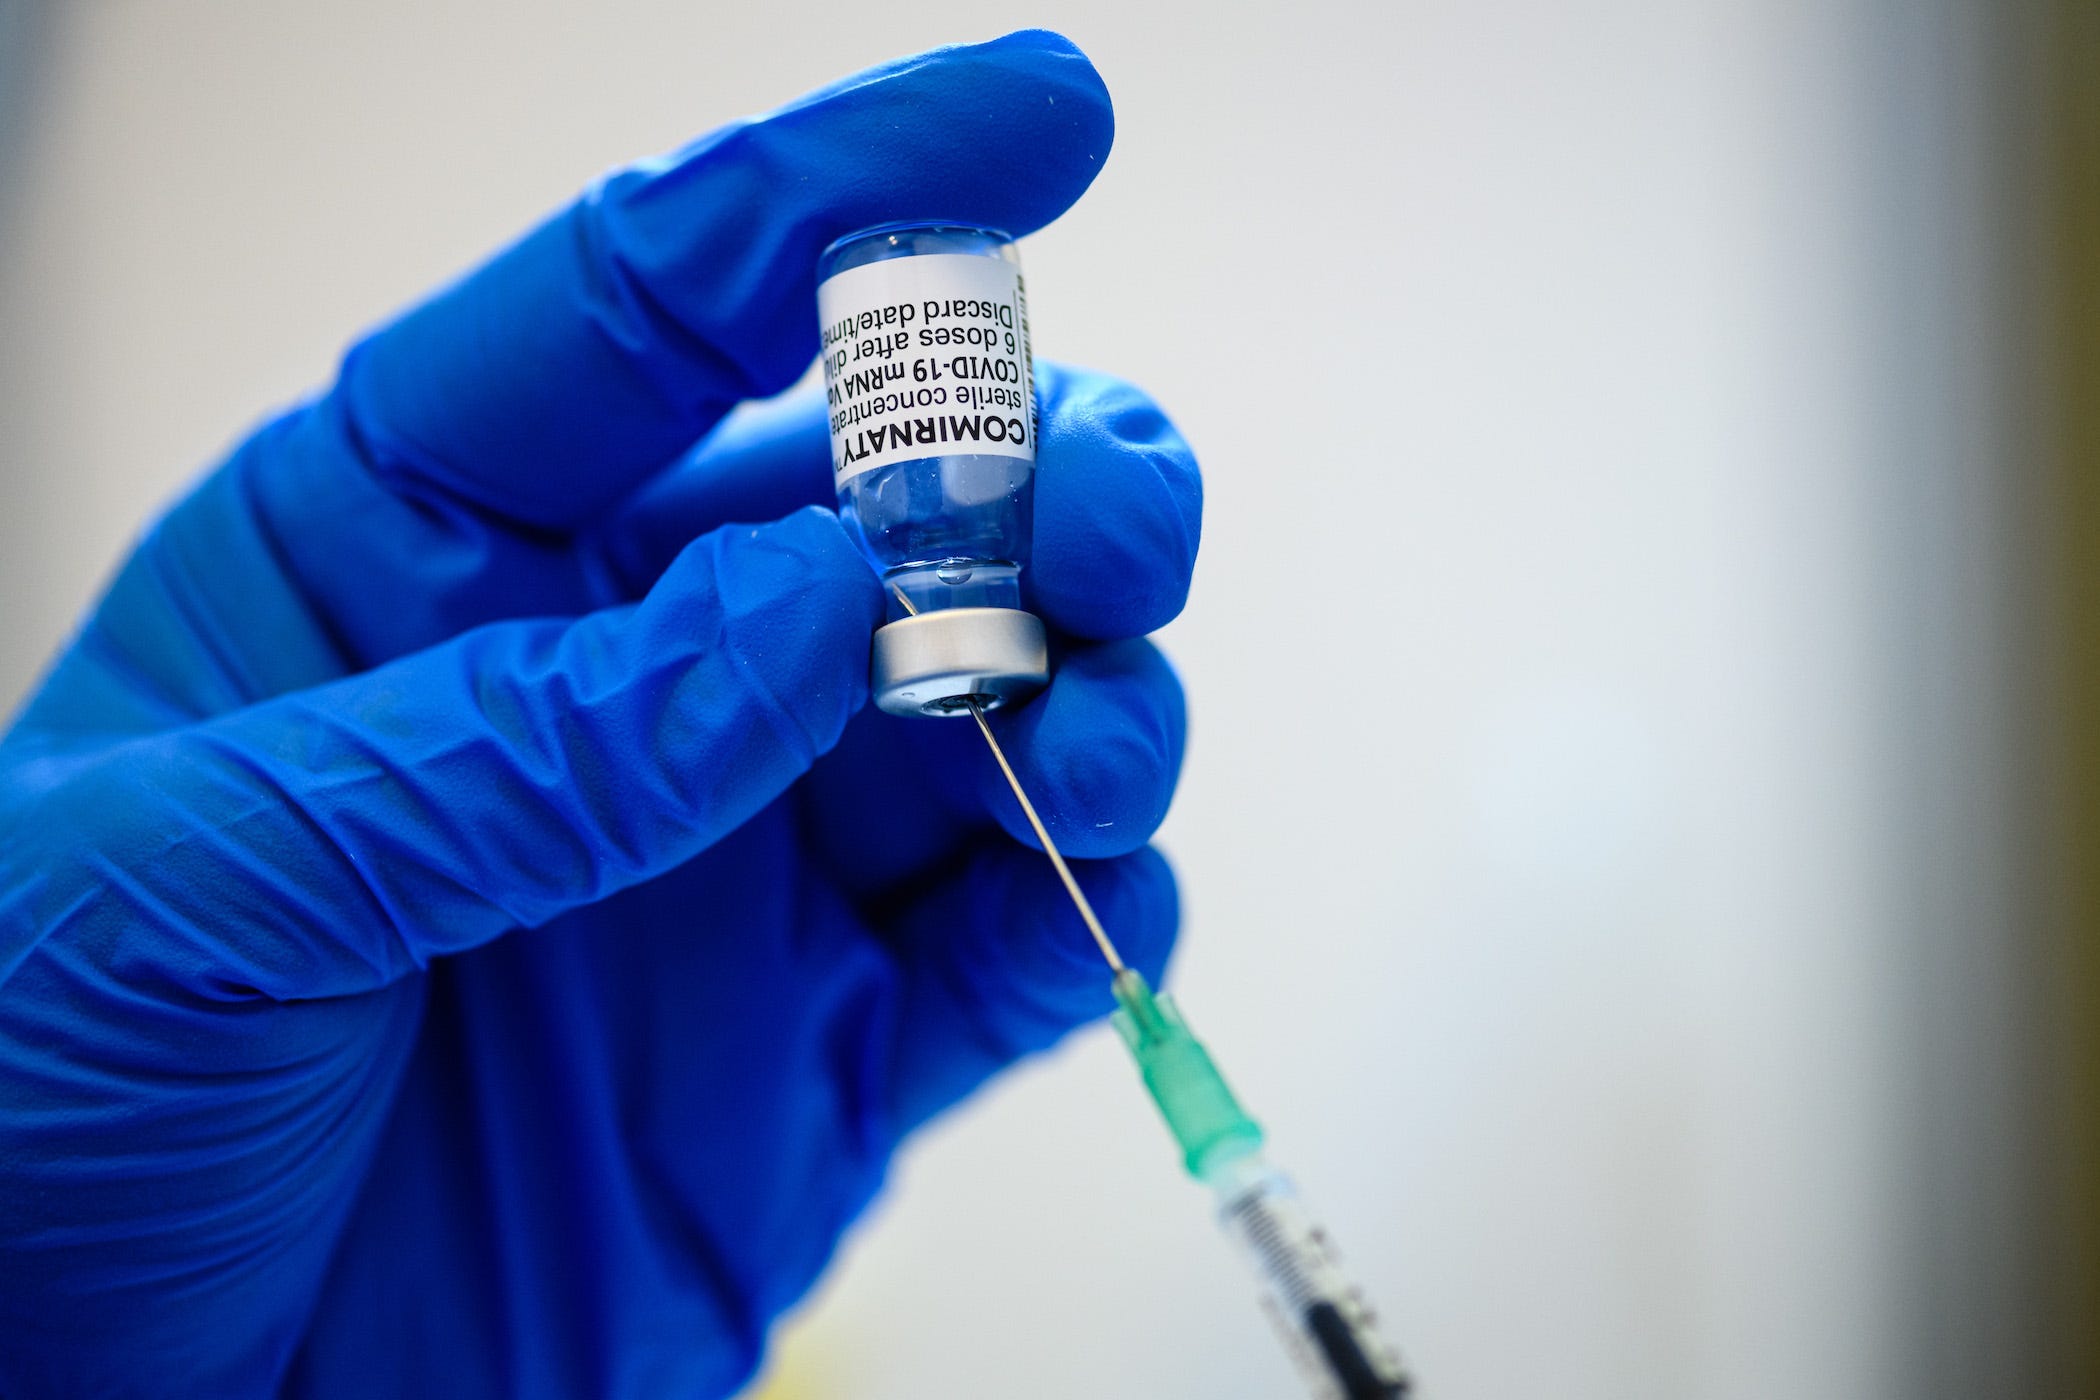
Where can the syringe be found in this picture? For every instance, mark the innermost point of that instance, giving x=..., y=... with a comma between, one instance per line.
x=1324, y=1319
x=1327, y=1326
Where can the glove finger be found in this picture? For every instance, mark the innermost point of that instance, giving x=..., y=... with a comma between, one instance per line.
x=998, y=965
x=766, y=459
x=1118, y=510
x=543, y=386
x=332, y=839
x=1098, y=753
x=1118, y=499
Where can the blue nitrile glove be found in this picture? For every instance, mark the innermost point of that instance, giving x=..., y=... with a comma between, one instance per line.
x=464, y=932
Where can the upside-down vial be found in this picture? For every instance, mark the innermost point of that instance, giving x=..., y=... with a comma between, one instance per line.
x=931, y=391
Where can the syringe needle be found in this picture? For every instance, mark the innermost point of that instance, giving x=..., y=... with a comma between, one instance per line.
x=1042, y=834
x=1064, y=872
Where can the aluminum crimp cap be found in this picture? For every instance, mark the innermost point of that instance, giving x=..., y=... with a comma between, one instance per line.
x=933, y=663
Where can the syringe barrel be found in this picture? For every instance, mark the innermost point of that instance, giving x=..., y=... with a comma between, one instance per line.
x=1327, y=1325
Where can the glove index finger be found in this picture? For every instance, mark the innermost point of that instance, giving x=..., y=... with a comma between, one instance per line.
x=543, y=386
x=328, y=841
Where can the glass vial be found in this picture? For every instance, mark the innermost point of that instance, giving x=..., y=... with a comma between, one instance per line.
x=931, y=392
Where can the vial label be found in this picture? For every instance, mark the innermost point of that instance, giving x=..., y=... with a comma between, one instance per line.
x=926, y=357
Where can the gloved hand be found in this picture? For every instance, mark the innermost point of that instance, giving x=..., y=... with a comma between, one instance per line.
x=463, y=930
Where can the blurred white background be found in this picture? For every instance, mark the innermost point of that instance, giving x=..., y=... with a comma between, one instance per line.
x=1595, y=828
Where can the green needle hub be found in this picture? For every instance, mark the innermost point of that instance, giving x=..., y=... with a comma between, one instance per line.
x=1192, y=1096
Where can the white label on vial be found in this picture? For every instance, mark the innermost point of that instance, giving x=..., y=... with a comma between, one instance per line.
x=926, y=357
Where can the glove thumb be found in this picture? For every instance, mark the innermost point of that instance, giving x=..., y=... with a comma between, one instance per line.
x=332, y=840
